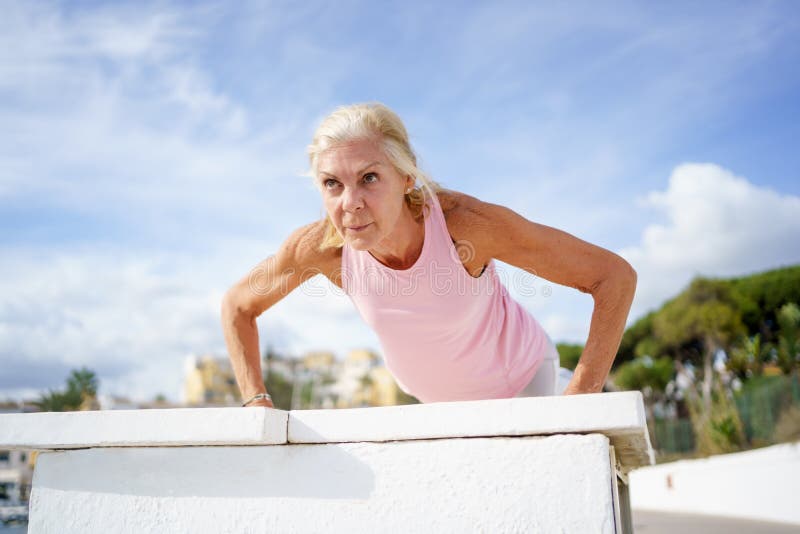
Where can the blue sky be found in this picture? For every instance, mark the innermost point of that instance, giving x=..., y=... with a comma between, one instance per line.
x=151, y=153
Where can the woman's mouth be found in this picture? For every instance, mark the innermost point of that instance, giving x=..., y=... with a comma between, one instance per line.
x=358, y=228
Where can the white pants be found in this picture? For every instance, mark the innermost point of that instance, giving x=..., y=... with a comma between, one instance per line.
x=545, y=381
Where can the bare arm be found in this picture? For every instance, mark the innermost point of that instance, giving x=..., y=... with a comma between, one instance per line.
x=566, y=260
x=296, y=261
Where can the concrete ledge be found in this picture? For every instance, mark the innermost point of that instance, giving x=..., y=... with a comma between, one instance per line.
x=619, y=416
x=143, y=428
x=544, y=464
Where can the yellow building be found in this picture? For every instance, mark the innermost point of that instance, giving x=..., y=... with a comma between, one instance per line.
x=383, y=388
x=319, y=361
x=363, y=380
x=209, y=381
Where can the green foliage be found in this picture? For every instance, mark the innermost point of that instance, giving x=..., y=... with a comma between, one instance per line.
x=278, y=386
x=789, y=337
x=405, y=398
x=81, y=387
x=306, y=393
x=84, y=381
x=54, y=401
x=671, y=435
x=641, y=330
x=787, y=428
x=644, y=373
x=705, y=312
x=768, y=292
x=366, y=381
x=722, y=313
x=719, y=430
x=280, y=389
x=747, y=359
x=761, y=401
x=569, y=355
x=648, y=346
x=710, y=314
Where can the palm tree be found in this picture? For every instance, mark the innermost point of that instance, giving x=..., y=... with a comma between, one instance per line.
x=81, y=390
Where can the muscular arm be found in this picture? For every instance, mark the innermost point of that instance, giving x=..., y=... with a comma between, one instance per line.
x=296, y=261
x=566, y=260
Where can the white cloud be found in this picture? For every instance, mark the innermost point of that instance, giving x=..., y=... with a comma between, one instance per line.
x=718, y=224
x=134, y=317
x=113, y=114
x=112, y=310
x=187, y=125
x=117, y=121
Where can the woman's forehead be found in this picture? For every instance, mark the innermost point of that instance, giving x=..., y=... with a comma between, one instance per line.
x=350, y=156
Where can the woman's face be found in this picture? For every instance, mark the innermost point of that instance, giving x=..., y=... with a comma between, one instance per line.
x=362, y=192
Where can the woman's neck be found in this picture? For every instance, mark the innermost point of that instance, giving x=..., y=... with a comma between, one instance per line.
x=402, y=248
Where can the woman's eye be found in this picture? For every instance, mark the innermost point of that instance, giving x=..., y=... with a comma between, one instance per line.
x=329, y=183
x=370, y=177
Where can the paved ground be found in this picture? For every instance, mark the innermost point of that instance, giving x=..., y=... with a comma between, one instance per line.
x=662, y=523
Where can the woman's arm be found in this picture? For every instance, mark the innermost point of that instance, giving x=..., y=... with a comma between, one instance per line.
x=566, y=260
x=296, y=261
x=612, y=302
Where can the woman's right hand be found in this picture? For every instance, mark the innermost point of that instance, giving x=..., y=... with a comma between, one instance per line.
x=297, y=260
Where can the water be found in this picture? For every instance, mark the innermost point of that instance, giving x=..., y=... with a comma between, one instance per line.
x=16, y=529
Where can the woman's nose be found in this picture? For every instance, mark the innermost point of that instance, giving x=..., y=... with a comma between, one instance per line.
x=352, y=199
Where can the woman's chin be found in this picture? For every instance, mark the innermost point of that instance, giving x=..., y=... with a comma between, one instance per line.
x=360, y=240
x=358, y=243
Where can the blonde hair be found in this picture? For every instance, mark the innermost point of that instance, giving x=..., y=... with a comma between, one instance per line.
x=371, y=121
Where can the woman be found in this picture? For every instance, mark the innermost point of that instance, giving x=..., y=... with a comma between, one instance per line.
x=417, y=260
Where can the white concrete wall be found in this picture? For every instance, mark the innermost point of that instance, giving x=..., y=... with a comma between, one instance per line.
x=556, y=483
x=539, y=464
x=758, y=484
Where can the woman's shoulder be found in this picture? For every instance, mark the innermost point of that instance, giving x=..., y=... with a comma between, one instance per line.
x=463, y=213
x=303, y=246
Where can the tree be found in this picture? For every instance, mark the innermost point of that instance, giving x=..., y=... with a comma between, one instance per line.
x=747, y=359
x=81, y=390
x=648, y=375
x=53, y=401
x=704, y=313
x=645, y=373
x=405, y=398
x=789, y=338
x=280, y=389
x=638, y=332
x=569, y=355
x=719, y=429
x=767, y=293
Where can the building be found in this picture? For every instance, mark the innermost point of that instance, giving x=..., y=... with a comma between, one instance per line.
x=16, y=468
x=384, y=390
x=315, y=380
x=16, y=473
x=209, y=381
x=319, y=361
x=115, y=402
x=351, y=387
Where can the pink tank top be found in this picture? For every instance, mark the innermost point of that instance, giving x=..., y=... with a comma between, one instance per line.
x=445, y=335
